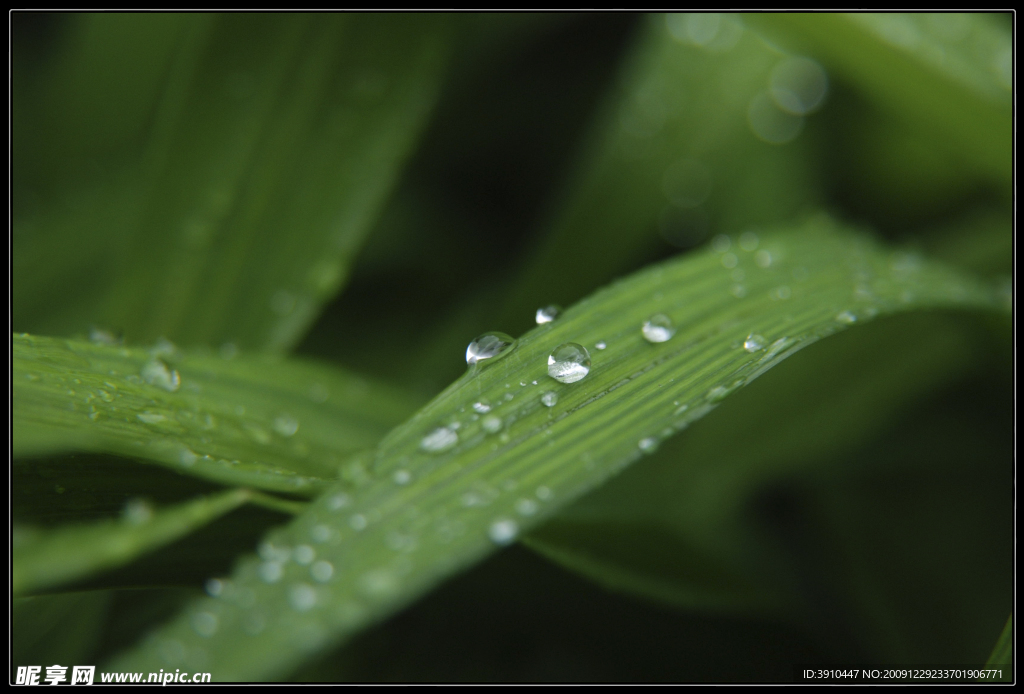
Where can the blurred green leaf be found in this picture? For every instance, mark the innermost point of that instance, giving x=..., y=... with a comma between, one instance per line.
x=488, y=458
x=1002, y=653
x=46, y=558
x=217, y=189
x=948, y=75
x=250, y=421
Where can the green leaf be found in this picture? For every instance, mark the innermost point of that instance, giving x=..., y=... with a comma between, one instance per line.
x=46, y=558
x=948, y=76
x=250, y=421
x=1002, y=653
x=217, y=188
x=453, y=483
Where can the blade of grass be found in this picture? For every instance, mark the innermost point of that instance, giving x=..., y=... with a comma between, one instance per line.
x=1002, y=652
x=248, y=421
x=46, y=558
x=450, y=486
x=273, y=143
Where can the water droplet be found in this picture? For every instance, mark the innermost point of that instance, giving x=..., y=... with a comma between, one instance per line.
x=483, y=406
x=739, y=291
x=150, y=417
x=137, y=512
x=439, y=440
x=401, y=477
x=648, y=444
x=205, y=624
x=320, y=533
x=781, y=292
x=748, y=241
x=491, y=424
x=729, y=261
x=271, y=571
x=846, y=317
x=338, y=501
x=186, y=458
x=658, y=328
x=489, y=346
x=763, y=258
x=548, y=314
x=156, y=373
x=754, y=342
x=717, y=393
x=302, y=596
x=358, y=521
x=601, y=345
x=550, y=399
x=304, y=554
x=526, y=507
x=568, y=363
x=379, y=583
x=322, y=571
x=503, y=531
x=721, y=243
x=99, y=336
x=286, y=425
x=228, y=350
x=798, y=85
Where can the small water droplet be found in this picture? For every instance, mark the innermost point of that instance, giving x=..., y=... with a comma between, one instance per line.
x=401, y=477
x=658, y=328
x=286, y=425
x=99, y=336
x=648, y=444
x=754, y=342
x=156, y=373
x=338, y=501
x=489, y=346
x=302, y=596
x=483, y=406
x=550, y=399
x=215, y=587
x=491, y=424
x=729, y=261
x=322, y=571
x=320, y=533
x=439, y=440
x=358, y=521
x=763, y=258
x=205, y=624
x=137, y=512
x=748, y=241
x=543, y=493
x=846, y=317
x=717, y=393
x=271, y=571
x=150, y=417
x=548, y=314
x=568, y=363
x=186, y=458
x=503, y=531
x=105, y=396
x=526, y=507
x=721, y=243
x=601, y=345
x=304, y=554
x=739, y=291
x=781, y=292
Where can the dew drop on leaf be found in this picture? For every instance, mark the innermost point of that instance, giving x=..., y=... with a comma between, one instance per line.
x=569, y=363
x=503, y=531
x=549, y=399
x=658, y=328
x=754, y=343
x=548, y=314
x=439, y=440
x=489, y=346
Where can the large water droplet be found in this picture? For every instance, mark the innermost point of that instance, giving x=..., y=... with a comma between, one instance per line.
x=483, y=406
x=753, y=343
x=549, y=399
x=548, y=314
x=286, y=425
x=568, y=363
x=503, y=531
x=491, y=424
x=488, y=346
x=658, y=328
x=304, y=554
x=321, y=571
x=439, y=440
x=648, y=444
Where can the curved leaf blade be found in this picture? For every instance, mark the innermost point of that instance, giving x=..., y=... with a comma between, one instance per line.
x=424, y=515
x=276, y=425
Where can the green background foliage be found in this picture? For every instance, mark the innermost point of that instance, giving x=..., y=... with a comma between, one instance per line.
x=249, y=251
